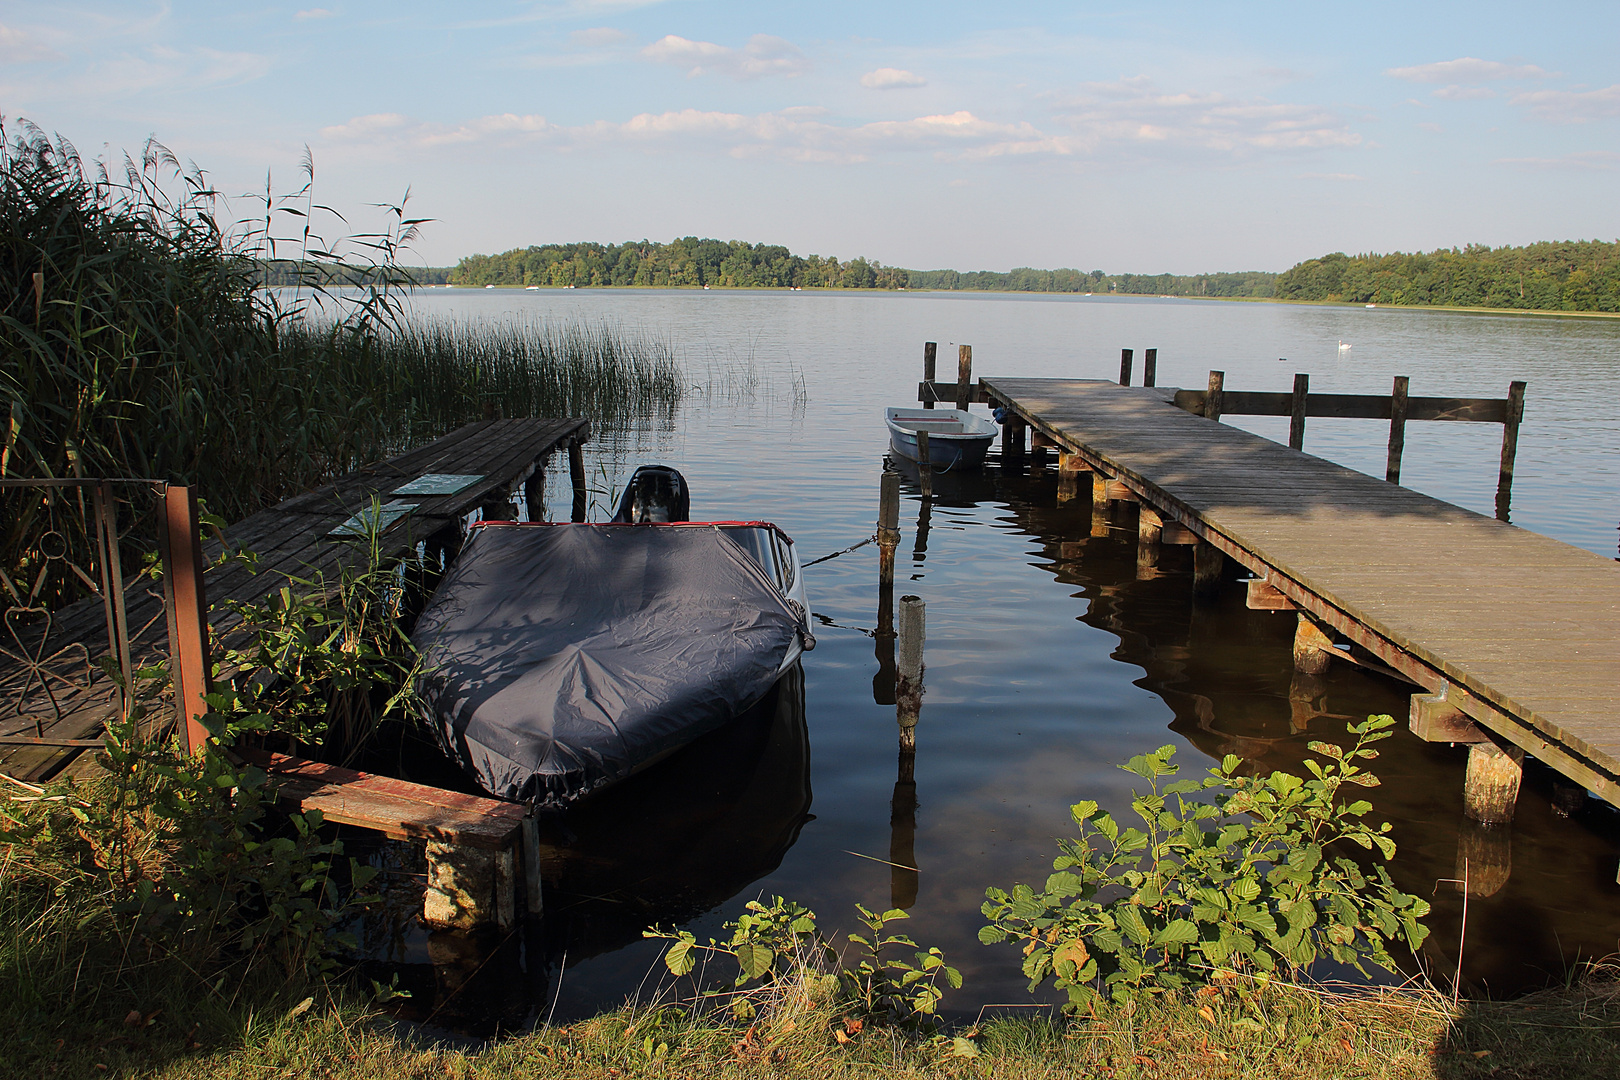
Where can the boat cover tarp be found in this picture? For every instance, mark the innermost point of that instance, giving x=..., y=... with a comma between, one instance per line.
x=558, y=659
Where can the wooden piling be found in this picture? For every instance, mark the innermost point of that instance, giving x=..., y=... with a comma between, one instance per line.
x=1150, y=368
x=533, y=898
x=576, y=473
x=186, y=604
x=1296, y=421
x=930, y=371
x=1212, y=400
x=1149, y=528
x=888, y=526
x=912, y=631
x=964, y=376
x=925, y=466
x=1313, y=649
x=1070, y=466
x=1012, y=437
x=1510, y=447
x=1209, y=564
x=1491, y=788
x=1125, y=367
x=1397, y=428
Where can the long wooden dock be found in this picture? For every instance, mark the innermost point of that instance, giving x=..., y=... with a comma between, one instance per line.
x=484, y=465
x=1517, y=632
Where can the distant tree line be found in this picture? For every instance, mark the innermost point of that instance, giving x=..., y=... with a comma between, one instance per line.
x=284, y=273
x=1571, y=275
x=1565, y=276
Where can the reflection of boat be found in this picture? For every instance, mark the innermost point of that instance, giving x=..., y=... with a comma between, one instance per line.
x=957, y=439
x=559, y=659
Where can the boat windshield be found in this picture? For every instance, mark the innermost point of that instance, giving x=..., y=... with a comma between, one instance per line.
x=767, y=547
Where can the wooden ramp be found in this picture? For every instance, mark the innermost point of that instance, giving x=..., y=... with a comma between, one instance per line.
x=482, y=465
x=1518, y=631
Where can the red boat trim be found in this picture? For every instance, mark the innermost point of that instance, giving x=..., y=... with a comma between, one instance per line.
x=635, y=525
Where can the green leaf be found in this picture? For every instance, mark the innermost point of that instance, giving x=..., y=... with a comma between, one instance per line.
x=1176, y=932
x=754, y=959
x=679, y=958
x=1131, y=922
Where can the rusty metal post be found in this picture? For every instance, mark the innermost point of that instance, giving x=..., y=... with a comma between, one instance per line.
x=188, y=614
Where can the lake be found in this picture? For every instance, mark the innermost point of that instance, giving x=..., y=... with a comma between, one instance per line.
x=1048, y=661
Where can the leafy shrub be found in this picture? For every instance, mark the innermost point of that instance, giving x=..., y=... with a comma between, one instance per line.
x=1257, y=873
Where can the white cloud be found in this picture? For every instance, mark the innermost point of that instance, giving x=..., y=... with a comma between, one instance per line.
x=1464, y=93
x=597, y=36
x=891, y=79
x=315, y=13
x=394, y=129
x=763, y=55
x=1467, y=69
x=17, y=47
x=1331, y=176
x=1572, y=106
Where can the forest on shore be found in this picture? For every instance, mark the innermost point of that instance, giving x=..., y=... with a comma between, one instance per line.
x=1549, y=276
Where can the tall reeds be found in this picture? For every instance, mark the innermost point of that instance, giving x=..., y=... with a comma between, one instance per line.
x=134, y=343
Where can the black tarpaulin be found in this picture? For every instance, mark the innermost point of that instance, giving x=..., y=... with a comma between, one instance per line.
x=561, y=658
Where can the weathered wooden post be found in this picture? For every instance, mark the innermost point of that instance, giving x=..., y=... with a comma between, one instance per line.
x=534, y=899
x=1012, y=439
x=1397, y=428
x=186, y=604
x=888, y=526
x=888, y=534
x=964, y=376
x=909, y=668
x=534, y=492
x=1510, y=447
x=1313, y=649
x=1209, y=564
x=930, y=351
x=1070, y=466
x=1150, y=368
x=1212, y=399
x=1099, y=505
x=1125, y=366
x=1149, y=530
x=1491, y=789
x=925, y=466
x=576, y=472
x=1296, y=420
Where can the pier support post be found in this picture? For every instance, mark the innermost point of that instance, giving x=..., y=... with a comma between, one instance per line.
x=912, y=630
x=1125, y=367
x=534, y=492
x=1070, y=466
x=1313, y=649
x=1149, y=528
x=1099, y=505
x=1012, y=441
x=1209, y=564
x=1296, y=420
x=1510, y=447
x=888, y=527
x=468, y=887
x=930, y=372
x=1397, y=428
x=1150, y=368
x=576, y=473
x=1491, y=789
x=533, y=897
x=964, y=376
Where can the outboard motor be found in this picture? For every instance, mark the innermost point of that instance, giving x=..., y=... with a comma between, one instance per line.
x=654, y=493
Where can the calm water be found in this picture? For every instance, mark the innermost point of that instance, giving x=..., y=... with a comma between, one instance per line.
x=1048, y=660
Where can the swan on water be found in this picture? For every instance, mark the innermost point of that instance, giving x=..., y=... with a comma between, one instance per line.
x=1344, y=346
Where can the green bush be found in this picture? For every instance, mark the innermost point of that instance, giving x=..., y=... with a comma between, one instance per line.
x=1256, y=873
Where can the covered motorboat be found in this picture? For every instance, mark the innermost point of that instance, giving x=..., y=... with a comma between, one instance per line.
x=957, y=439
x=558, y=659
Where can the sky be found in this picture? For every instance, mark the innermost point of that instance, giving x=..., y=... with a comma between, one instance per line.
x=1141, y=138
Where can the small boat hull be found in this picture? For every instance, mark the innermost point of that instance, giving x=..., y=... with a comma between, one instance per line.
x=957, y=439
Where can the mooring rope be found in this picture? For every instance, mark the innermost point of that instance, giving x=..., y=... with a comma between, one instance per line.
x=846, y=551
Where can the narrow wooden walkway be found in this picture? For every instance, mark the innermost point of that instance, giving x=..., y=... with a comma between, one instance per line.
x=488, y=461
x=1519, y=631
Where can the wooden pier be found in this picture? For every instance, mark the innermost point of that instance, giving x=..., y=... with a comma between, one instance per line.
x=1514, y=636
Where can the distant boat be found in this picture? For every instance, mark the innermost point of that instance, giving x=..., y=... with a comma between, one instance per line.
x=1344, y=346
x=956, y=438
x=1372, y=305
x=489, y=286
x=531, y=288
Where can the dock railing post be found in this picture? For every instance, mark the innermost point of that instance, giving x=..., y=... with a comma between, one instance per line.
x=1510, y=447
x=1397, y=428
x=1150, y=368
x=1212, y=399
x=964, y=376
x=1125, y=366
x=187, y=604
x=925, y=465
x=930, y=373
x=1296, y=421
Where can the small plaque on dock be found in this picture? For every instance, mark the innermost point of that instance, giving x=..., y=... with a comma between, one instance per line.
x=438, y=484
x=380, y=518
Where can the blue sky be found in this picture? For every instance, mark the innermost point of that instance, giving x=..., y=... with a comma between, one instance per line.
x=1141, y=138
